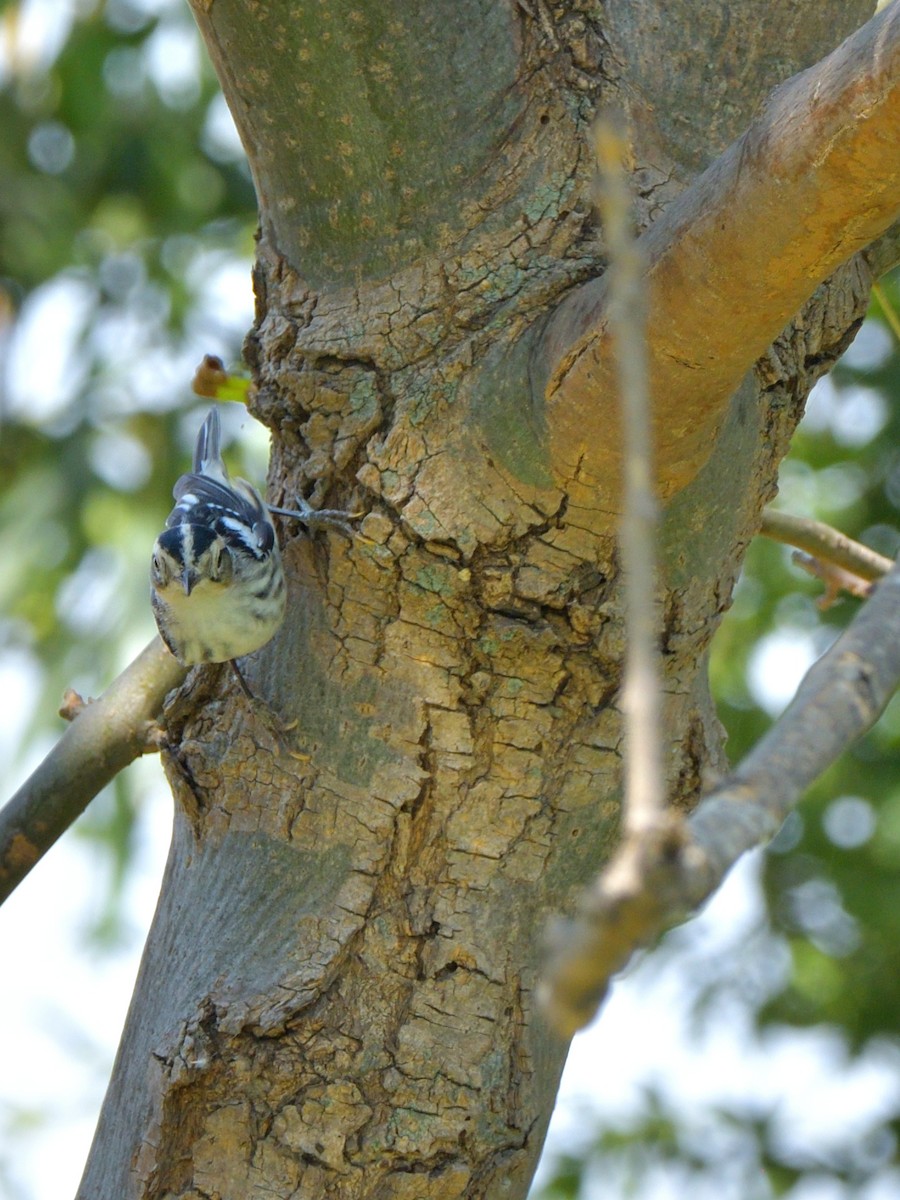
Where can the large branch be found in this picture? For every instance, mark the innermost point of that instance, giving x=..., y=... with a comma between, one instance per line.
x=104, y=737
x=815, y=178
x=657, y=878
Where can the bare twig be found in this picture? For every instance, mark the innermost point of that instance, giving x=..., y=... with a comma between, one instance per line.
x=651, y=884
x=836, y=579
x=824, y=542
x=104, y=736
x=644, y=795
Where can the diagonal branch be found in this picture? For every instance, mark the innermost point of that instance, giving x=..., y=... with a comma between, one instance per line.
x=815, y=178
x=823, y=541
x=103, y=738
x=653, y=879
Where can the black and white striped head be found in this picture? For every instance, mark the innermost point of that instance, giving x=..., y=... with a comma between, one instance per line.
x=188, y=553
x=218, y=525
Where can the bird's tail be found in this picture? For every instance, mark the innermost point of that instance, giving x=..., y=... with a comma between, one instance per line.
x=207, y=452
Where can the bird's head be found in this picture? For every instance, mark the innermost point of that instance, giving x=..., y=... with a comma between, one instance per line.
x=188, y=554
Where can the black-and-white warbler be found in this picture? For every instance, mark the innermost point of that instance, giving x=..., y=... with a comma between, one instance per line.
x=217, y=584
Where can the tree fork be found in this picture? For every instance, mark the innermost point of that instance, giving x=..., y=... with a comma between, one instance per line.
x=336, y=998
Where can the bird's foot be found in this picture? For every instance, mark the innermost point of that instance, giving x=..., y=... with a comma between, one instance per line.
x=319, y=518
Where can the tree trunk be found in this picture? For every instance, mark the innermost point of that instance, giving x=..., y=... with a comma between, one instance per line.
x=336, y=999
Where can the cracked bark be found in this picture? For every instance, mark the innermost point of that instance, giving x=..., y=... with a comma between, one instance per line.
x=336, y=999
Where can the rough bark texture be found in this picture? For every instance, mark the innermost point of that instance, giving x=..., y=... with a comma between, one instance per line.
x=814, y=179
x=336, y=997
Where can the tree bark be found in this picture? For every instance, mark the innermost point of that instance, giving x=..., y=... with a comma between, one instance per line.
x=830, y=141
x=336, y=999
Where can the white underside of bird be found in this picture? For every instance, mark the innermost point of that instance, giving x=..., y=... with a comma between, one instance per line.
x=188, y=619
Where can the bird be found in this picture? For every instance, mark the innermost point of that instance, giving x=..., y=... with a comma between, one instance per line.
x=217, y=583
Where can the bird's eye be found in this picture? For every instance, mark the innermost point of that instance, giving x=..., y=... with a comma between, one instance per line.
x=157, y=567
x=219, y=563
x=265, y=535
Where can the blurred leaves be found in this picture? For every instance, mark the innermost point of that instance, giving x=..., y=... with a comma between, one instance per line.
x=122, y=222
x=729, y=1153
x=834, y=888
x=832, y=881
x=126, y=225
x=106, y=148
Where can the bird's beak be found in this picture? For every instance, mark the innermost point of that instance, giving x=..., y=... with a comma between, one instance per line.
x=189, y=579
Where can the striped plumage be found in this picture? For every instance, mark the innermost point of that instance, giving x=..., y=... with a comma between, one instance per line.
x=217, y=585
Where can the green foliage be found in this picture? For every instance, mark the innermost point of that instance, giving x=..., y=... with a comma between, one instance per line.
x=832, y=881
x=728, y=1151
x=126, y=225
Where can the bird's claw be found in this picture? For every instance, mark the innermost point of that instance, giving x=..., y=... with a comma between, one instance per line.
x=319, y=518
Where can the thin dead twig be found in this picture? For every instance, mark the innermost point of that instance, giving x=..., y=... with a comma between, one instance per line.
x=836, y=579
x=644, y=791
